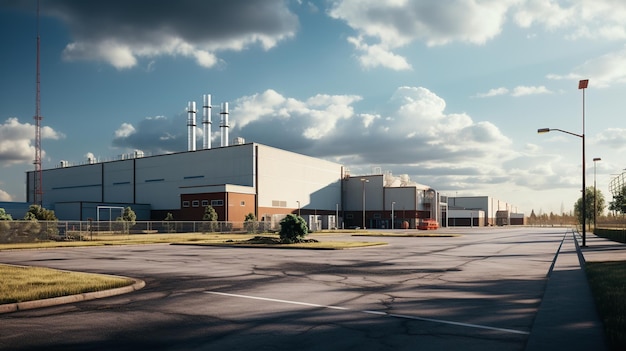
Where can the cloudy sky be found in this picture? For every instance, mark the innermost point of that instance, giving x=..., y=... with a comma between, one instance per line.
x=449, y=92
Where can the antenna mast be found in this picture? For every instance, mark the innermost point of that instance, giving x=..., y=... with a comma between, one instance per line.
x=38, y=173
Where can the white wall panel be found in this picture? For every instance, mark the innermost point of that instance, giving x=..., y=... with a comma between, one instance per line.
x=291, y=177
x=161, y=178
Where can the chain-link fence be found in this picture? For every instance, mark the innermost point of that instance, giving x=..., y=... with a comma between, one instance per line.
x=34, y=231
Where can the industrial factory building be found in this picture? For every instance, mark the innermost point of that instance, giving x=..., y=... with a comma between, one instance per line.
x=236, y=180
x=385, y=201
x=475, y=211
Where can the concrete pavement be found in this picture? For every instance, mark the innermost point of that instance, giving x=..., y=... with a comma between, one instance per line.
x=567, y=318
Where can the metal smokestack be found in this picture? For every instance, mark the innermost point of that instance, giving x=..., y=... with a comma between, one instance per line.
x=224, y=124
x=206, y=121
x=191, y=126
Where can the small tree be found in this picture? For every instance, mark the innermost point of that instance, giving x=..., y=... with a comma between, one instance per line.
x=168, y=222
x=39, y=213
x=210, y=216
x=250, y=223
x=293, y=229
x=35, y=214
x=589, y=206
x=4, y=216
x=4, y=226
x=619, y=201
x=128, y=218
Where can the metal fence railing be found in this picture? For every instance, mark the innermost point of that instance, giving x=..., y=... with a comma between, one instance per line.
x=33, y=231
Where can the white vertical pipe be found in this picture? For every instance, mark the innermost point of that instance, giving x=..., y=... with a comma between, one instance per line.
x=224, y=124
x=191, y=126
x=206, y=121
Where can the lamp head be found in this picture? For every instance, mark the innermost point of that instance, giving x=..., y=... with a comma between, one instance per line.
x=543, y=130
x=582, y=84
x=597, y=159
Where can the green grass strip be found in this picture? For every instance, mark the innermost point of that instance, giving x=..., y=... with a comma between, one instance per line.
x=608, y=285
x=19, y=284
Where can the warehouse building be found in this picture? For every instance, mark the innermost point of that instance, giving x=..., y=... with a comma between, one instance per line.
x=481, y=211
x=235, y=180
x=383, y=201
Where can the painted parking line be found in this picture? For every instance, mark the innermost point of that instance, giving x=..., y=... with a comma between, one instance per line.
x=378, y=313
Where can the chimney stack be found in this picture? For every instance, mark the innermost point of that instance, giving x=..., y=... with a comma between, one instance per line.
x=191, y=126
x=224, y=124
x=206, y=121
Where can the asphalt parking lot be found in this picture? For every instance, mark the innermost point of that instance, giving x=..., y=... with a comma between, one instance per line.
x=479, y=291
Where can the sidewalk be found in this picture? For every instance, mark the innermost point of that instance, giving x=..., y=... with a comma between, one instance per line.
x=567, y=318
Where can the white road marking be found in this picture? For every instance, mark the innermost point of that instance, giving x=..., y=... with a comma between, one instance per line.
x=379, y=313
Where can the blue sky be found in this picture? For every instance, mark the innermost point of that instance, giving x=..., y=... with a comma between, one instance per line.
x=449, y=92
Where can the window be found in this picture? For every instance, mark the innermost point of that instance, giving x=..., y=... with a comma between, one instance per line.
x=279, y=203
x=349, y=216
x=205, y=203
x=195, y=203
x=185, y=203
x=377, y=215
x=217, y=203
x=242, y=203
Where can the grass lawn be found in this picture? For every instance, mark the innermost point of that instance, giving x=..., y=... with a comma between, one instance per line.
x=608, y=286
x=20, y=284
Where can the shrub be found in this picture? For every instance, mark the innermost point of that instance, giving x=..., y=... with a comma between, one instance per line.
x=210, y=220
x=292, y=229
x=250, y=223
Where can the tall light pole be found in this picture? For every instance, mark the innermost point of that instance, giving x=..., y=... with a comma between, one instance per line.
x=595, y=201
x=392, y=218
x=581, y=85
x=363, y=181
x=298, y=208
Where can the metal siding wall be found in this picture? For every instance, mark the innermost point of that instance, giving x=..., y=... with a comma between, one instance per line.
x=118, y=181
x=403, y=196
x=374, y=193
x=292, y=177
x=79, y=183
x=160, y=178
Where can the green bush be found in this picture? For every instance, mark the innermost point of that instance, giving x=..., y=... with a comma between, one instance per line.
x=293, y=229
x=250, y=223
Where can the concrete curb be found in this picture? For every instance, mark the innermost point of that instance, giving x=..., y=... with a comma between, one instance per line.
x=28, y=305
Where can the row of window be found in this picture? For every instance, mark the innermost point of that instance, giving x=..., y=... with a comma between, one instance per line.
x=205, y=203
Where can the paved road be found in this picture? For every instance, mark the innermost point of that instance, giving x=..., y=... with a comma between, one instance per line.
x=480, y=291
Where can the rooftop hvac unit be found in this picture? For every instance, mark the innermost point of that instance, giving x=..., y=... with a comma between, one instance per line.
x=239, y=141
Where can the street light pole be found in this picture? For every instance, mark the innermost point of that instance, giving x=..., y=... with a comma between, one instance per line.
x=363, y=181
x=581, y=85
x=595, y=200
x=298, y=208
